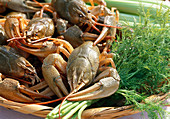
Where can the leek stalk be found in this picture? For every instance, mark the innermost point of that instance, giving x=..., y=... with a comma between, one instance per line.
x=135, y=7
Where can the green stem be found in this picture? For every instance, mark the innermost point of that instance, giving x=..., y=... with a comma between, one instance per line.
x=52, y=112
x=66, y=107
x=55, y=110
x=57, y=115
x=75, y=116
x=81, y=110
x=74, y=110
x=70, y=107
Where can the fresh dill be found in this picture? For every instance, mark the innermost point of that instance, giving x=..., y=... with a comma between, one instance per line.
x=142, y=59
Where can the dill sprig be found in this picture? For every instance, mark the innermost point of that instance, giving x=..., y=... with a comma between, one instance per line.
x=142, y=59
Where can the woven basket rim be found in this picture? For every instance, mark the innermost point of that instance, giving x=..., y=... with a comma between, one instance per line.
x=117, y=112
x=113, y=112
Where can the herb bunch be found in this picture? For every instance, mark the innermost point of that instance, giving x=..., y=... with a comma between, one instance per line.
x=142, y=60
x=142, y=57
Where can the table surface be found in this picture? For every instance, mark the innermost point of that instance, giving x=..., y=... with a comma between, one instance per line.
x=11, y=114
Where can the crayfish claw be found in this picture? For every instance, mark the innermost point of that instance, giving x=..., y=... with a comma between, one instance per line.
x=12, y=90
x=20, y=6
x=30, y=93
x=104, y=88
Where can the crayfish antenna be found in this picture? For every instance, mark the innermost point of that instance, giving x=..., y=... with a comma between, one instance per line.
x=48, y=102
x=107, y=25
x=43, y=6
x=63, y=102
x=24, y=81
x=74, y=91
x=93, y=26
x=16, y=38
x=39, y=40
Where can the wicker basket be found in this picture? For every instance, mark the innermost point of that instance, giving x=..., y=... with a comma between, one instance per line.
x=95, y=113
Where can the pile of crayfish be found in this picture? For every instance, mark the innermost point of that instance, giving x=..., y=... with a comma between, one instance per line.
x=57, y=49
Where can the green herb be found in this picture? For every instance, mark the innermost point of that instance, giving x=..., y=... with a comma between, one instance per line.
x=142, y=59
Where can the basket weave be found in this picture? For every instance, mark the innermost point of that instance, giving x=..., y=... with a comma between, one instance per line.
x=94, y=113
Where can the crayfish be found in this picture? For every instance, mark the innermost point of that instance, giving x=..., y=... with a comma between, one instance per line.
x=83, y=64
x=72, y=65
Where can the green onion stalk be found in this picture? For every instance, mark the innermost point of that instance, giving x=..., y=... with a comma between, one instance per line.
x=69, y=109
x=137, y=7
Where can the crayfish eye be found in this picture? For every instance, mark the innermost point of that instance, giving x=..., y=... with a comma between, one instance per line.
x=88, y=11
x=36, y=34
x=80, y=15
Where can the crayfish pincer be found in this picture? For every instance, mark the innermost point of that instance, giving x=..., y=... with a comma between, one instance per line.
x=15, y=65
x=18, y=5
x=12, y=90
